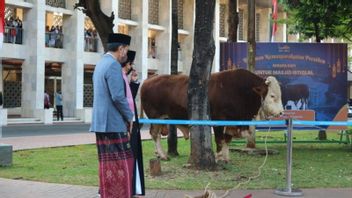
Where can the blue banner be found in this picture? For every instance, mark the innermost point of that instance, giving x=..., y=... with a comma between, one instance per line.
x=313, y=76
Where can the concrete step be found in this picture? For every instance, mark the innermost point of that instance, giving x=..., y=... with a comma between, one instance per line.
x=67, y=119
x=23, y=121
x=13, y=121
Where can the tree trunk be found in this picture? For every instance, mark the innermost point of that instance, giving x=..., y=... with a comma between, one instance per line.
x=172, y=137
x=232, y=21
x=251, y=46
x=317, y=32
x=202, y=156
x=103, y=24
x=322, y=135
x=155, y=167
x=251, y=36
x=174, y=41
x=172, y=141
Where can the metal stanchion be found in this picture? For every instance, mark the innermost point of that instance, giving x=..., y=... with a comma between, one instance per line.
x=288, y=191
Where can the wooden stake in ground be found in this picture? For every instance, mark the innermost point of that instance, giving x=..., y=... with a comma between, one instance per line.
x=155, y=167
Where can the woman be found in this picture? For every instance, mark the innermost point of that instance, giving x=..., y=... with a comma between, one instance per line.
x=135, y=137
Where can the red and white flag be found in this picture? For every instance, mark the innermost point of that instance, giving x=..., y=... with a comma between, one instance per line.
x=274, y=18
x=2, y=21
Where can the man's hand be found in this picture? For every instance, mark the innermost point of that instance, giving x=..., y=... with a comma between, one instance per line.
x=129, y=129
x=131, y=126
x=134, y=76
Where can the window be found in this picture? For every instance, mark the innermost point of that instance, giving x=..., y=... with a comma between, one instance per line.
x=257, y=27
x=240, y=25
x=13, y=32
x=180, y=14
x=56, y=3
x=222, y=20
x=153, y=17
x=54, y=36
x=125, y=9
x=90, y=36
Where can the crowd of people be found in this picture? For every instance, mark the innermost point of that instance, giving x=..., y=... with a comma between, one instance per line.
x=13, y=30
x=54, y=36
x=90, y=40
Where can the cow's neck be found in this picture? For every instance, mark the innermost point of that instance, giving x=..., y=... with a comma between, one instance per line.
x=261, y=115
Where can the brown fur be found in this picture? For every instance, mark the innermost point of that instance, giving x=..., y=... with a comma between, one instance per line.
x=233, y=95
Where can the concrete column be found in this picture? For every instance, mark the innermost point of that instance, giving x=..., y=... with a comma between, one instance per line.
x=115, y=9
x=3, y=118
x=279, y=36
x=73, y=70
x=139, y=41
x=33, y=69
x=139, y=36
x=284, y=28
x=3, y=112
x=238, y=11
x=216, y=33
x=163, y=39
x=1, y=77
x=188, y=24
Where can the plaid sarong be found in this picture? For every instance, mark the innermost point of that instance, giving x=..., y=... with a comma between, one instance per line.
x=116, y=164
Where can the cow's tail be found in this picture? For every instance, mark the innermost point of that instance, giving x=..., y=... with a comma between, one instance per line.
x=141, y=115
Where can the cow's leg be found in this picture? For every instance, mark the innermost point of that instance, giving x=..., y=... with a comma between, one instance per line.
x=185, y=131
x=225, y=147
x=155, y=132
x=164, y=130
x=250, y=137
x=305, y=103
x=219, y=138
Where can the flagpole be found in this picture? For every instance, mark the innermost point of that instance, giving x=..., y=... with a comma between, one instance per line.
x=274, y=18
x=2, y=22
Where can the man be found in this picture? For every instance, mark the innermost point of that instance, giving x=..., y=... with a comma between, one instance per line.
x=59, y=113
x=111, y=121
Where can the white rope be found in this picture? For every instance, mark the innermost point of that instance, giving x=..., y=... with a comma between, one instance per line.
x=259, y=169
x=212, y=194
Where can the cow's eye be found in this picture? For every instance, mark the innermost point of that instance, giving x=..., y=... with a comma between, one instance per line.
x=272, y=96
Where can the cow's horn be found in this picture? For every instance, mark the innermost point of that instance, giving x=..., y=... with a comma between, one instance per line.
x=267, y=81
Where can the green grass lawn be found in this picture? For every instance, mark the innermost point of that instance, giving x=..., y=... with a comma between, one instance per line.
x=314, y=165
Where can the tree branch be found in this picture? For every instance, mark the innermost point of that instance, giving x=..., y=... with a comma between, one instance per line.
x=103, y=23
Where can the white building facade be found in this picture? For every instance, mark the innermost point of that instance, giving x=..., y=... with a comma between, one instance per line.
x=56, y=48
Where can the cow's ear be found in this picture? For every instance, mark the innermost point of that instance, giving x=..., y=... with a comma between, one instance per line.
x=260, y=90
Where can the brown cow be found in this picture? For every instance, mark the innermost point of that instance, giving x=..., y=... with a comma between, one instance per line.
x=233, y=95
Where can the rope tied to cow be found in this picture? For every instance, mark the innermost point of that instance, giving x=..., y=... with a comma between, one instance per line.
x=211, y=194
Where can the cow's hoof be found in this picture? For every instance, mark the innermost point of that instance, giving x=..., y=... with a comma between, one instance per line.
x=218, y=157
x=165, y=158
x=222, y=161
x=219, y=160
x=250, y=145
x=187, y=165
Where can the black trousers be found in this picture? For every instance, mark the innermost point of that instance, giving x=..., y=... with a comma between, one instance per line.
x=59, y=113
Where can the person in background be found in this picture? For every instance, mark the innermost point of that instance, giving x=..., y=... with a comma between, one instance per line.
x=46, y=100
x=136, y=143
x=111, y=121
x=58, y=100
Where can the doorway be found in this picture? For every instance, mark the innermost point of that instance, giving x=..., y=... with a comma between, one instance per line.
x=53, y=81
x=52, y=85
